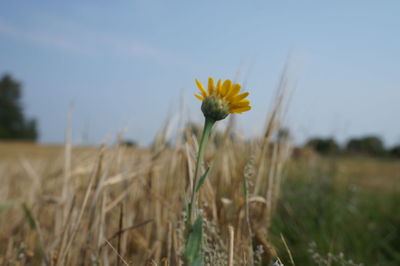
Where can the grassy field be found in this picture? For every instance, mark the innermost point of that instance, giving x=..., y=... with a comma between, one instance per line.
x=340, y=210
x=117, y=205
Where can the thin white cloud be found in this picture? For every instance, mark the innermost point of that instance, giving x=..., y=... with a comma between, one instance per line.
x=37, y=37
x=69, y=36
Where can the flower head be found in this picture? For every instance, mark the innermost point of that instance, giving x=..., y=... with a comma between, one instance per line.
x=223, y=99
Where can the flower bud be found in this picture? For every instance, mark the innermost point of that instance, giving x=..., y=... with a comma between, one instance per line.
x=215, y=108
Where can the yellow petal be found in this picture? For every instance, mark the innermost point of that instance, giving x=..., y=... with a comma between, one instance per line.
x=225, y=87
x=199, y=97
x=235, y=89
x=219, y=85
x=240, y=97
x=210, y=85
x=240, y=110
x=242, y=103
x=201, y=88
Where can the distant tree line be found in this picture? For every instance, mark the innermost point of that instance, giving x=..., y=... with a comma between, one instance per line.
x=13, y=123
x=368, y=145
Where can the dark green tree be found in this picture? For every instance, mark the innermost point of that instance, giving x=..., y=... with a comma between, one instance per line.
x=325, y=146
x=129, y=143
x=369, y=145
x=395, y=151
x=13, y=124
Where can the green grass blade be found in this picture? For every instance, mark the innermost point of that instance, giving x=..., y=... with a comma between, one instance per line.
x=192, y=253
x=202, y=179
x=29, y=216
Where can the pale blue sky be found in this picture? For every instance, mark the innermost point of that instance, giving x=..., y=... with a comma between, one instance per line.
x=126, y=63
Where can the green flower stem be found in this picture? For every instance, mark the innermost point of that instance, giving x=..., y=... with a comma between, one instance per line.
x=208, y=124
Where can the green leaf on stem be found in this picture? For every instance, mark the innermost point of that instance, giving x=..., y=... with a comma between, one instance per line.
x=202, y=179
x=192, y=254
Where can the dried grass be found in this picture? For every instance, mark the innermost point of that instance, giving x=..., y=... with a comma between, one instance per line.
x=115, y=205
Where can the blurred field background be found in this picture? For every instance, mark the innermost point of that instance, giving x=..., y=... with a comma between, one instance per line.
x=266, y=201
x=117, y=205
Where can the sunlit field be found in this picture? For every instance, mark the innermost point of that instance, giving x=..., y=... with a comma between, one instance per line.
x=119, y=205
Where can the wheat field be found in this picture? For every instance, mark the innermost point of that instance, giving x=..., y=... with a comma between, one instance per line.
x=116, y=205
x=263, y=202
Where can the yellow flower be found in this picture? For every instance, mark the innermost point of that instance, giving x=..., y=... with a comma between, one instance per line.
x=222, y=99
